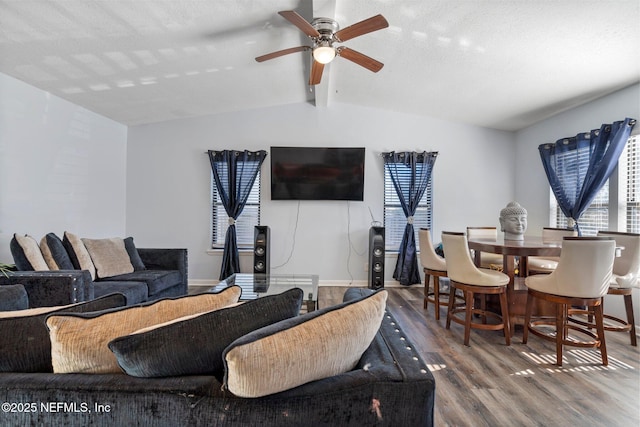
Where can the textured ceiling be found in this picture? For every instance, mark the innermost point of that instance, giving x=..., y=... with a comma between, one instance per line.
x=494, y=63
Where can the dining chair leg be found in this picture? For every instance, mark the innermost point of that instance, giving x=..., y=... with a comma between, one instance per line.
x=560, y=331
x=600, y=328
x=467, y=319
x=505, y=317
x=452, y=295
x=628, y=305
x=483, y=307
x=527, y=318
x=565, y=332
x=436, y=295
x=426, y=291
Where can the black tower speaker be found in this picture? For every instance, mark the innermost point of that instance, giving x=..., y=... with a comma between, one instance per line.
x=261, y=251
x=376, y=257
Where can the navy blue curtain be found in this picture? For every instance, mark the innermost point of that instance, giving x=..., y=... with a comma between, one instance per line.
x=234, y=173
x=418, y=166
x=578, y=167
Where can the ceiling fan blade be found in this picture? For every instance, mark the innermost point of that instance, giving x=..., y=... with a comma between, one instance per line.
x=281, y=53
x=316, y=73
x=374, y=23
x=360, y=59
x=297, y=20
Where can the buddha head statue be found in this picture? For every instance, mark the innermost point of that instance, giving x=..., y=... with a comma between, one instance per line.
x=513, y=221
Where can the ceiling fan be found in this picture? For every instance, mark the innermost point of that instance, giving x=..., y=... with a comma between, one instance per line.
x=324, y=32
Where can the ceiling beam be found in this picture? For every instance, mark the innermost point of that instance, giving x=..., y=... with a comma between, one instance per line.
x=321, y=92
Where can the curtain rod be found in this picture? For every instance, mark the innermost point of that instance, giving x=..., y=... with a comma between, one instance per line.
x=389, y=152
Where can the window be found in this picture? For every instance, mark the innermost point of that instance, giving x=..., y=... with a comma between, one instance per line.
x=595, y=218
x=394, y=219
x=632, y=193
x=248, y=219
x=617, y=204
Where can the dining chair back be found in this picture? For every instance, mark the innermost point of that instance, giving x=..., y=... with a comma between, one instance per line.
x=585, y=267
x=626, y=267
x=545, y=265
x=482, y=233
x=555, y=235
x=428, y=256
x=487, y=259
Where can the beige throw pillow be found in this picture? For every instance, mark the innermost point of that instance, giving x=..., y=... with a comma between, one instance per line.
x=32, y=252
x=306, y=348
x=109, y=256
x=79, y=343
x=78, y=253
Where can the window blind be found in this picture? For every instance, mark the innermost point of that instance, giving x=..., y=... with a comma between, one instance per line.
x=394, y=219
x=633, y=185
x=248, y=219
x=595, y=218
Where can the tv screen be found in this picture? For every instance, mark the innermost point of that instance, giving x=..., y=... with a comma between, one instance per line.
x=314, y=173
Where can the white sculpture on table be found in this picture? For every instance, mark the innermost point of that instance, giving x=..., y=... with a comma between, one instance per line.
x=513, y=221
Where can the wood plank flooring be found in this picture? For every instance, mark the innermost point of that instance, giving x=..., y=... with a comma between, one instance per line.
x=490, y=384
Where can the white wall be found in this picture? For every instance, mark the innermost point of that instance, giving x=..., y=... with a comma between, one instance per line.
x=62, y=167
x=168, y=192
x=617, y=106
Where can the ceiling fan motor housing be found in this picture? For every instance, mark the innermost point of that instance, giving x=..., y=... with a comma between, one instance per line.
x=327, y=27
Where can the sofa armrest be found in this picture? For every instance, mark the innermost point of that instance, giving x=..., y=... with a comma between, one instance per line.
x=59, y=287
x=166, y=259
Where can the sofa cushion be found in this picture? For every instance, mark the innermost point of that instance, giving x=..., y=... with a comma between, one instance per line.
x=25, y=345
x=136, y=292
x=194, y=345
x=26, y=254
x=109, y=256
x=54, y=253
x=134, y=256
x=13, y=297
x=79, y=342
x=302, y=349
x=156, y=280
x=80, y=258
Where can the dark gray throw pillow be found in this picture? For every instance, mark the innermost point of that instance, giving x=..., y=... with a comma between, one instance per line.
x=55, y=253
x=194, y=346
x=13, y=297
x=25, y=345
x=134, y=256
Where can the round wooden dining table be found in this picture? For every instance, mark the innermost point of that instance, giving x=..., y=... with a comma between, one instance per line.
x=510, y=249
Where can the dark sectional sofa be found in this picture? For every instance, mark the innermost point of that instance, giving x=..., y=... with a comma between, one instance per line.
x=390, y=386
x=165, y=274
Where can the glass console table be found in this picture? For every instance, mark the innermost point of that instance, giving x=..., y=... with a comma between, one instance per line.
x=258, y=285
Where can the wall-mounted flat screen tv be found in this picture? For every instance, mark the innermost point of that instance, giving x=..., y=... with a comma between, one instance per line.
x=315, y=173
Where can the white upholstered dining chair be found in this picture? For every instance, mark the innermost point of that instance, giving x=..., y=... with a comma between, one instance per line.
x=626, y=276
x=434, y=266
x=473, y=281
x=581, y=278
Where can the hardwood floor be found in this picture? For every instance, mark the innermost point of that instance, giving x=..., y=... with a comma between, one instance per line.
x=490, y=384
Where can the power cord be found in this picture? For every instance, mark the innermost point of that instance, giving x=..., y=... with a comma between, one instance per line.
x=351, y=245
x=293, y=243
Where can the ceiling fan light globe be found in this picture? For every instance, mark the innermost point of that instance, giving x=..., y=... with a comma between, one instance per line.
x=324, y=54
